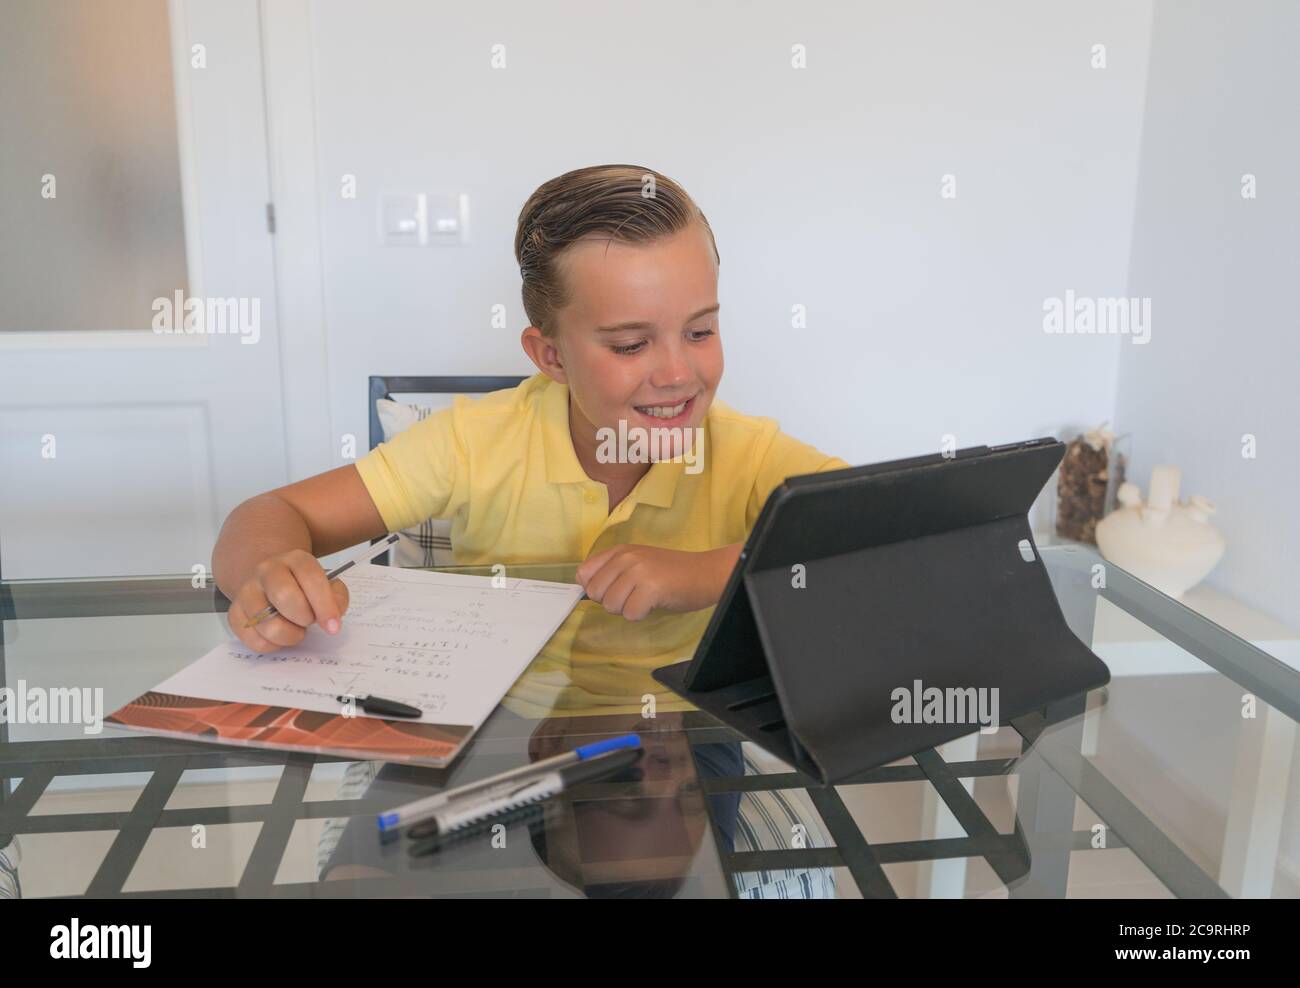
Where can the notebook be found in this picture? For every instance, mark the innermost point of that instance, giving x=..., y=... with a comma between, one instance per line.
x=447, y=643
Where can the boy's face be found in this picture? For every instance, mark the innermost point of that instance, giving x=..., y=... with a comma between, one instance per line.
x=660, y=373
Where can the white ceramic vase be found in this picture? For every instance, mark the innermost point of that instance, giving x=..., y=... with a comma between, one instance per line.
x=1162, y=541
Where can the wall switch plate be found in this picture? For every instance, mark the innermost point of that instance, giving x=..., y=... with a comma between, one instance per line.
x=448, y=218
x=403, y=219
x=423, y=219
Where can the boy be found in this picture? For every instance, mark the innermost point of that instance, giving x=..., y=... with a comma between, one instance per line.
x=620, y=276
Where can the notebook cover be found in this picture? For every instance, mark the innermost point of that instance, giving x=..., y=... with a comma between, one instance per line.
x=288, y=729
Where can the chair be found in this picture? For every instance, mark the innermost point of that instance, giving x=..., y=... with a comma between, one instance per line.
x=433, y=535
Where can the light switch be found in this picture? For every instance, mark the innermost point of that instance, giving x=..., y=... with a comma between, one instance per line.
x=448, y=218
x=423, y=219
x=403, y=219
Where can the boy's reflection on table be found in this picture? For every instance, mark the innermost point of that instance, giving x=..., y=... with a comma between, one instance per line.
x=627, y=837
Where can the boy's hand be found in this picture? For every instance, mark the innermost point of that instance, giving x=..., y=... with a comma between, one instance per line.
x=632, y=580
x=295, y=583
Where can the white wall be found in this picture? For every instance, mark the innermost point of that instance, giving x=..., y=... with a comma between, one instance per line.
x=822, y=185
x=1221, y=273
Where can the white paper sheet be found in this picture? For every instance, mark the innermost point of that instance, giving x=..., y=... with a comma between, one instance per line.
x=449, y=644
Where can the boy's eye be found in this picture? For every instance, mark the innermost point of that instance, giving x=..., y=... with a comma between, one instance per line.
x=697, y=335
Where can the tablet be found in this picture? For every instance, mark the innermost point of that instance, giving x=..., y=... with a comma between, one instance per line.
x=881, y=610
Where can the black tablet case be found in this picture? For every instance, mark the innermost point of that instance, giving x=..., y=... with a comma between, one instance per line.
x=913, y=571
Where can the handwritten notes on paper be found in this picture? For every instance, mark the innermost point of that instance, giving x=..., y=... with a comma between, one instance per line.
x=449, y=644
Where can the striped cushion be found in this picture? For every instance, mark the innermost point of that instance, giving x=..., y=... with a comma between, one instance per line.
x=428, y=543
x=768, y=820
x=10, y=856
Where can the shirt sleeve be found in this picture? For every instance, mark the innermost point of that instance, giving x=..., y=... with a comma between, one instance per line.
x=784, y=457
x=419, y=473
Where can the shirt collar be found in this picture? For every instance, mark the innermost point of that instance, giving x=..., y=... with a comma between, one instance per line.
x=657, y=487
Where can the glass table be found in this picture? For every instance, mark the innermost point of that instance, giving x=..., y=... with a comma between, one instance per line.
x=1176, y=780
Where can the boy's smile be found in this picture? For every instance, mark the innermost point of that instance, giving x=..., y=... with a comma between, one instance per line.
x=638, y=341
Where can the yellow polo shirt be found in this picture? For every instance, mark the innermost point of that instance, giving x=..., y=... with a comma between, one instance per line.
x=503, y=469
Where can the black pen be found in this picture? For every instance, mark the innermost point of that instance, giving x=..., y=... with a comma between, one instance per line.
x=364, y=555
x=381, y=706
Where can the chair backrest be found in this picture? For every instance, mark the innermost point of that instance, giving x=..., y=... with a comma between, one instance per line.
x=391, y=387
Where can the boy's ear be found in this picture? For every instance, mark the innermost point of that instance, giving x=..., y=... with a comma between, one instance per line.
x=542, y=351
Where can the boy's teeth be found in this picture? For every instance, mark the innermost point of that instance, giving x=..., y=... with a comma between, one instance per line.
x=665, y=413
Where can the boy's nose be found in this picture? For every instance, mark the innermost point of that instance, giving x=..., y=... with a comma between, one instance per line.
x=672, y=370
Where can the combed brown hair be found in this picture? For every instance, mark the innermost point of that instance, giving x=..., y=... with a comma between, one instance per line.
x=603, y=200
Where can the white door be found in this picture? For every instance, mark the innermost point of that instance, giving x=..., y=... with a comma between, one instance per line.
x=123, y=444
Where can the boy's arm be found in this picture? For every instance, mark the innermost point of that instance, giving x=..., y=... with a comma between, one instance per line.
x=267, y=547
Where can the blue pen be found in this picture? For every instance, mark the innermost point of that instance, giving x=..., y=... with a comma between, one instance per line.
x=422, y=809
x=499, y=804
